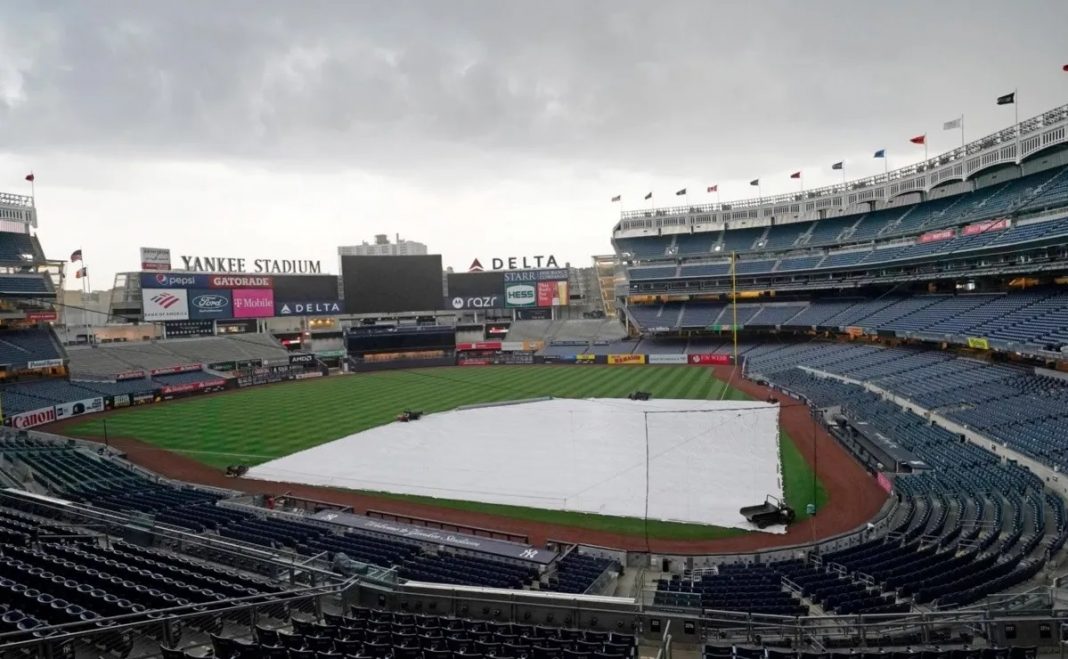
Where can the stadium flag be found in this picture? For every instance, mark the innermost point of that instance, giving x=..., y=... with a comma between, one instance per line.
x=713, y=188
x=838, y=165
x=616, y=198
x=30, y=177
x=76, y=255
x=680, y=193
x=921, y=139
x=881, y=153
x=81, y=272
x=956, y=123
x=755, y=182
x=1010, y=99
x=1064, y=68
x=795, y=175
x=649, y=196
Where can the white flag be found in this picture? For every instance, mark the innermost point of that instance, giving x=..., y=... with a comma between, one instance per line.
x=950, y=125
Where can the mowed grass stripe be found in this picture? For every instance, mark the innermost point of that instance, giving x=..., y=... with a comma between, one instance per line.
x=259, y=424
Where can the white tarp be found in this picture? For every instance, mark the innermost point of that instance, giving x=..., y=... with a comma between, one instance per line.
x=706, y=459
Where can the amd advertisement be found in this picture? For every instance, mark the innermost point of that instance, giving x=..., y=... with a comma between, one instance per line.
x=511, y=289
x=390, y=284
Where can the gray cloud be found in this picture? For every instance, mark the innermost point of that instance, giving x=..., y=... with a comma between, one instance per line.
x=407, y=85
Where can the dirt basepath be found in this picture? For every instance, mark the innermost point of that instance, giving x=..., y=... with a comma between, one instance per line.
x=853, y=495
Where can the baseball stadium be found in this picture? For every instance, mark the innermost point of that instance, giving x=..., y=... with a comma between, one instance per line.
x=827, y=422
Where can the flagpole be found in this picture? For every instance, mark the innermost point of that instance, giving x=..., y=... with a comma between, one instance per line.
x=962, y=131
x=734, y=304
x=925, y=148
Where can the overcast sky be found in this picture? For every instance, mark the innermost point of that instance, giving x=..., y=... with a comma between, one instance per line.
x=493, y=128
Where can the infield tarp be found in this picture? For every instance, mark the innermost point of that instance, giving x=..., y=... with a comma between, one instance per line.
x=707, y=459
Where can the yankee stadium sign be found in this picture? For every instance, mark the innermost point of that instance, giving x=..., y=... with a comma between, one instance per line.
x=232, y=264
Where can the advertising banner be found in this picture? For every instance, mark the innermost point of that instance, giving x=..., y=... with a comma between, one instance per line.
x=517, y=296
x=978, y=343
x=309, y=375
x=475, y=290
x=308, y=308
x=474, y=361
x=181, y=368
x=667, y=359
x=173, y=280
x=253, y=303
x=165, y=303
x=33, y=418
x=515, y=276
x=240, y=281
x=79, y=407
x=210, y=303
x=710, y=359
x=235, y=326
x=479, y=345
x=517, y=358
x=130, y=375
x=44, y=363
x=155, y=258
x=552, y=293
x=935, y=236
x=175, y=329
x=988, y=225
x=534, y=314
x=120, y=400
x=884, y=482
x=854, y=331
x=41, y=316
x=585, y=359
x=626, y=359
x=460, y=302
x=512, y=345
x=187, y=387
x=302, y=360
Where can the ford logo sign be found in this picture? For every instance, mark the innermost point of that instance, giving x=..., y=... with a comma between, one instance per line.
x=210, y=302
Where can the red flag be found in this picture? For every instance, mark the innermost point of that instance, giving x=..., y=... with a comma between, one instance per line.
x=919, y=139
x=29, y=177
x=1064, y=68
x=713, y=188
x=795, y=175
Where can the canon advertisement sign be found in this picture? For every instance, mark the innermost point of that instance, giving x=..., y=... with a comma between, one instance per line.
x=34, y=418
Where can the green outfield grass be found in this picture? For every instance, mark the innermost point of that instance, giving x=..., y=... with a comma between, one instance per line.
x=258, y=424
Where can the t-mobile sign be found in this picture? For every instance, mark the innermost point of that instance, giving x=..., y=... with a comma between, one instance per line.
x=253, y=303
